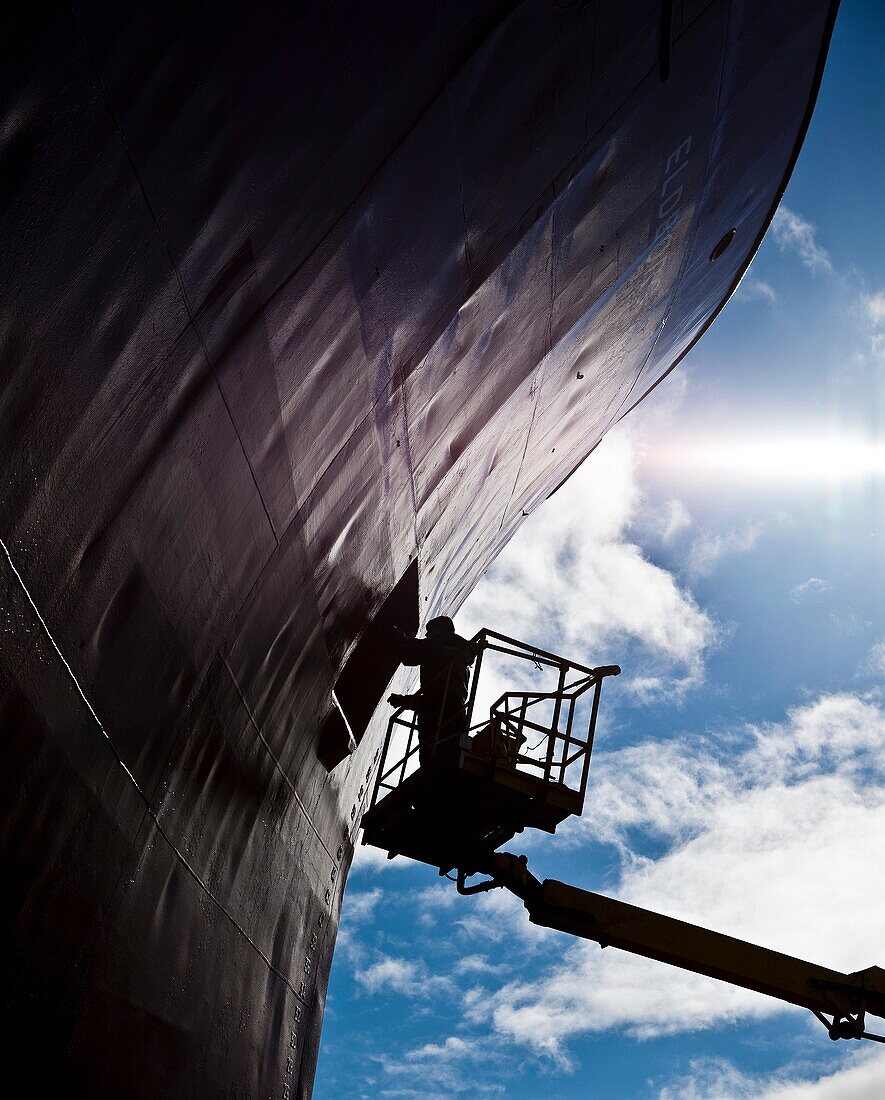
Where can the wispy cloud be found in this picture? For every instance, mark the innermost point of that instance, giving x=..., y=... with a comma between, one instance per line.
x=453, y=1048
x=661, y=524
x=361, y=905
x=437, y=1070
x=372, y=860
x=675, y=518
x=664, y=789
x=499, y=917
x=814, y=586
x=400, y=975
x=874, y=665
x=752, y=289
x=876, y=307
x=476, y=964
x=408, y=977
x=875, y=310
x=709, y=548
x=437, y=897
x=715, y=1078
x=793, y=233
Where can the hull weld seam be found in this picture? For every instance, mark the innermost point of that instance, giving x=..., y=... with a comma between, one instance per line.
x=276, y=761
x=150, y=812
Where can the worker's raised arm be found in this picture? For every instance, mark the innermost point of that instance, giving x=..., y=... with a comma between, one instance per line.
x=410, y=651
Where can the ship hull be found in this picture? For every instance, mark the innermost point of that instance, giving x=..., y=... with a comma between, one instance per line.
x=303, y=311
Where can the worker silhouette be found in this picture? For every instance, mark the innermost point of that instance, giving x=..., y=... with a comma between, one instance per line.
x=444, y=658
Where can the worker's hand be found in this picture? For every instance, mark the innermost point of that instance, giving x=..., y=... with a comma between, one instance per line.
x=397, y=700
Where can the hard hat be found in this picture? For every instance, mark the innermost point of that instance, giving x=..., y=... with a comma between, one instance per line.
x=442, y=624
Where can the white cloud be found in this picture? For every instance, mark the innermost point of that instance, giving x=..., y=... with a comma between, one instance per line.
x=435, y=1071
x=708, y=549
x=453, y=1047
x=499, y=917
x=399, y=975
x=575, y=574
x=709, y=1079
x=834, y=737
x=847, y=622
x=360, y=905
x=371, y=860
x=408, y=977
x=814, y=586
x=476, y=964
x=661, y=524
x=861, y=1081
x=875, y=304
x=438, y=897
x=751, y=288
x=772, y=840
x=793, y=233
x=667, y=789
x=675, y=518
x=718, y=1079
x=874, y=665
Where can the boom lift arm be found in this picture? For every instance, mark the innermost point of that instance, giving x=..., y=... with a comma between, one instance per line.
x=455, y=817
x=846, y=998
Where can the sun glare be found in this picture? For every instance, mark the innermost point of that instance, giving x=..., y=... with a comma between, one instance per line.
x=776, y=459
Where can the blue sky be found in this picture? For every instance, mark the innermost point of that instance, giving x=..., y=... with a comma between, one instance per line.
x=739, y=776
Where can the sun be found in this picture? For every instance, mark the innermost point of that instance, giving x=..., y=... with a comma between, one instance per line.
x=784, y=457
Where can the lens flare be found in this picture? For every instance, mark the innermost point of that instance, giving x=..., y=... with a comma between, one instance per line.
x=802, y=458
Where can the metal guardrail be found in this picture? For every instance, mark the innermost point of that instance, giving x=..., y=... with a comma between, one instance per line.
x=561, y=744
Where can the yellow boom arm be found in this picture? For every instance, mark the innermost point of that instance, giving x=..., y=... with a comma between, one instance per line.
x=846, y=998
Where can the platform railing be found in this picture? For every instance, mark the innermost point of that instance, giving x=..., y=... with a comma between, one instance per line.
x=563, y=741
x=390, y=779
x=564, y=746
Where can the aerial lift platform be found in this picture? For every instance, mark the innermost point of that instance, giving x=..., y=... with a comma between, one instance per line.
x=526, y=766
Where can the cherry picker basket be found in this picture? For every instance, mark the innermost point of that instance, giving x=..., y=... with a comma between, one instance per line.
x=524, y=764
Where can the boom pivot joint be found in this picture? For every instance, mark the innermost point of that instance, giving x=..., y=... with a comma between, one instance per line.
x=505, y=870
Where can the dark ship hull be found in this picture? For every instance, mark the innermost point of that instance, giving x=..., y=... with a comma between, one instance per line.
x=303, y=310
